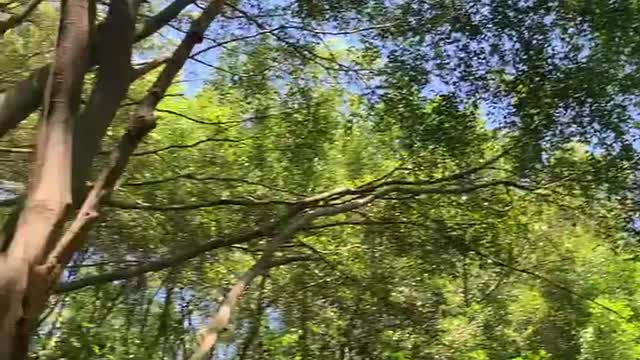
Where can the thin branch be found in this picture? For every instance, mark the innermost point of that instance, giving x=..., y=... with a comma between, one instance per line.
x=360, y=223
x=493, y=289
x=194, y=177
x=185, y=116
x=144, y=69
x=452, y=177
x=165, y=263
x=226, y=42
x=549, y=281
x=259, y=73
x=193, y=206
x=185, y=146
x=154, y=23
x=304, y=53
x=104, y=263
x=219, y=322
x=18, y=19
x=16, y=150
x=344, y=32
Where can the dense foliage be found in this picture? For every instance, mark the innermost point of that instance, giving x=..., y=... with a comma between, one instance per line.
x=498, y=139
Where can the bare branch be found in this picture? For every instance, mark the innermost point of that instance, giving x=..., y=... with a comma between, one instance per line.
x=140, y=124
x=195, y=177
x=220, y=320
x=144, y=69
x=185, y=146
x=18, y=19
x=229, y=41
x=301, y=51
x=448, y=178
x=16, y=150
x=173, y=112
x=162, y=264
x=154, y=23
x=194, y=206
x=17, y=103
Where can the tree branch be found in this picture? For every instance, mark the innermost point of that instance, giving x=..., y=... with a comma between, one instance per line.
x=184, y=146
x=298, y=222
x=545, y=279
x=140, y=124
x=185, y=116
x=257, y=322
x=195, y=177
x=111, y=87
x=143, y=69
x=49, y=193
x=162, y=264
x=220, y=320
x=303, y=52
x=17, y=103
x=18, y=19
x=194, y=206
x=154, y=23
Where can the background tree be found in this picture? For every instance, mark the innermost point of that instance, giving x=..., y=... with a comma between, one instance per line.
x=318, y=179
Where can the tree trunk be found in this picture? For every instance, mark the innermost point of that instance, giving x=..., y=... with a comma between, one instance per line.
x=24, y=280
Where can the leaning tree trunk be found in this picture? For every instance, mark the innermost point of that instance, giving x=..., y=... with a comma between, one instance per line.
x=23, y=280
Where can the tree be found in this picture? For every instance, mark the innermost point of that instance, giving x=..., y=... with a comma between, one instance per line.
x=317, y=126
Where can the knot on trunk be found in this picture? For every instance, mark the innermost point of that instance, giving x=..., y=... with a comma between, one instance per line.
x=142, y=124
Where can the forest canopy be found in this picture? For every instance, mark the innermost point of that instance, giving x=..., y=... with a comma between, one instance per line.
x=339, y=179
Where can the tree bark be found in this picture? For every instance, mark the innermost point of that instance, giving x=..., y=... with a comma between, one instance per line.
x=24, y=281
x=49, y=192
x=113, y=81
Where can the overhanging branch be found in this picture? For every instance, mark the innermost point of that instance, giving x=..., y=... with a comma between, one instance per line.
x=18, y=19
x=185, y=146
x=17, y=103
x=124, y=205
